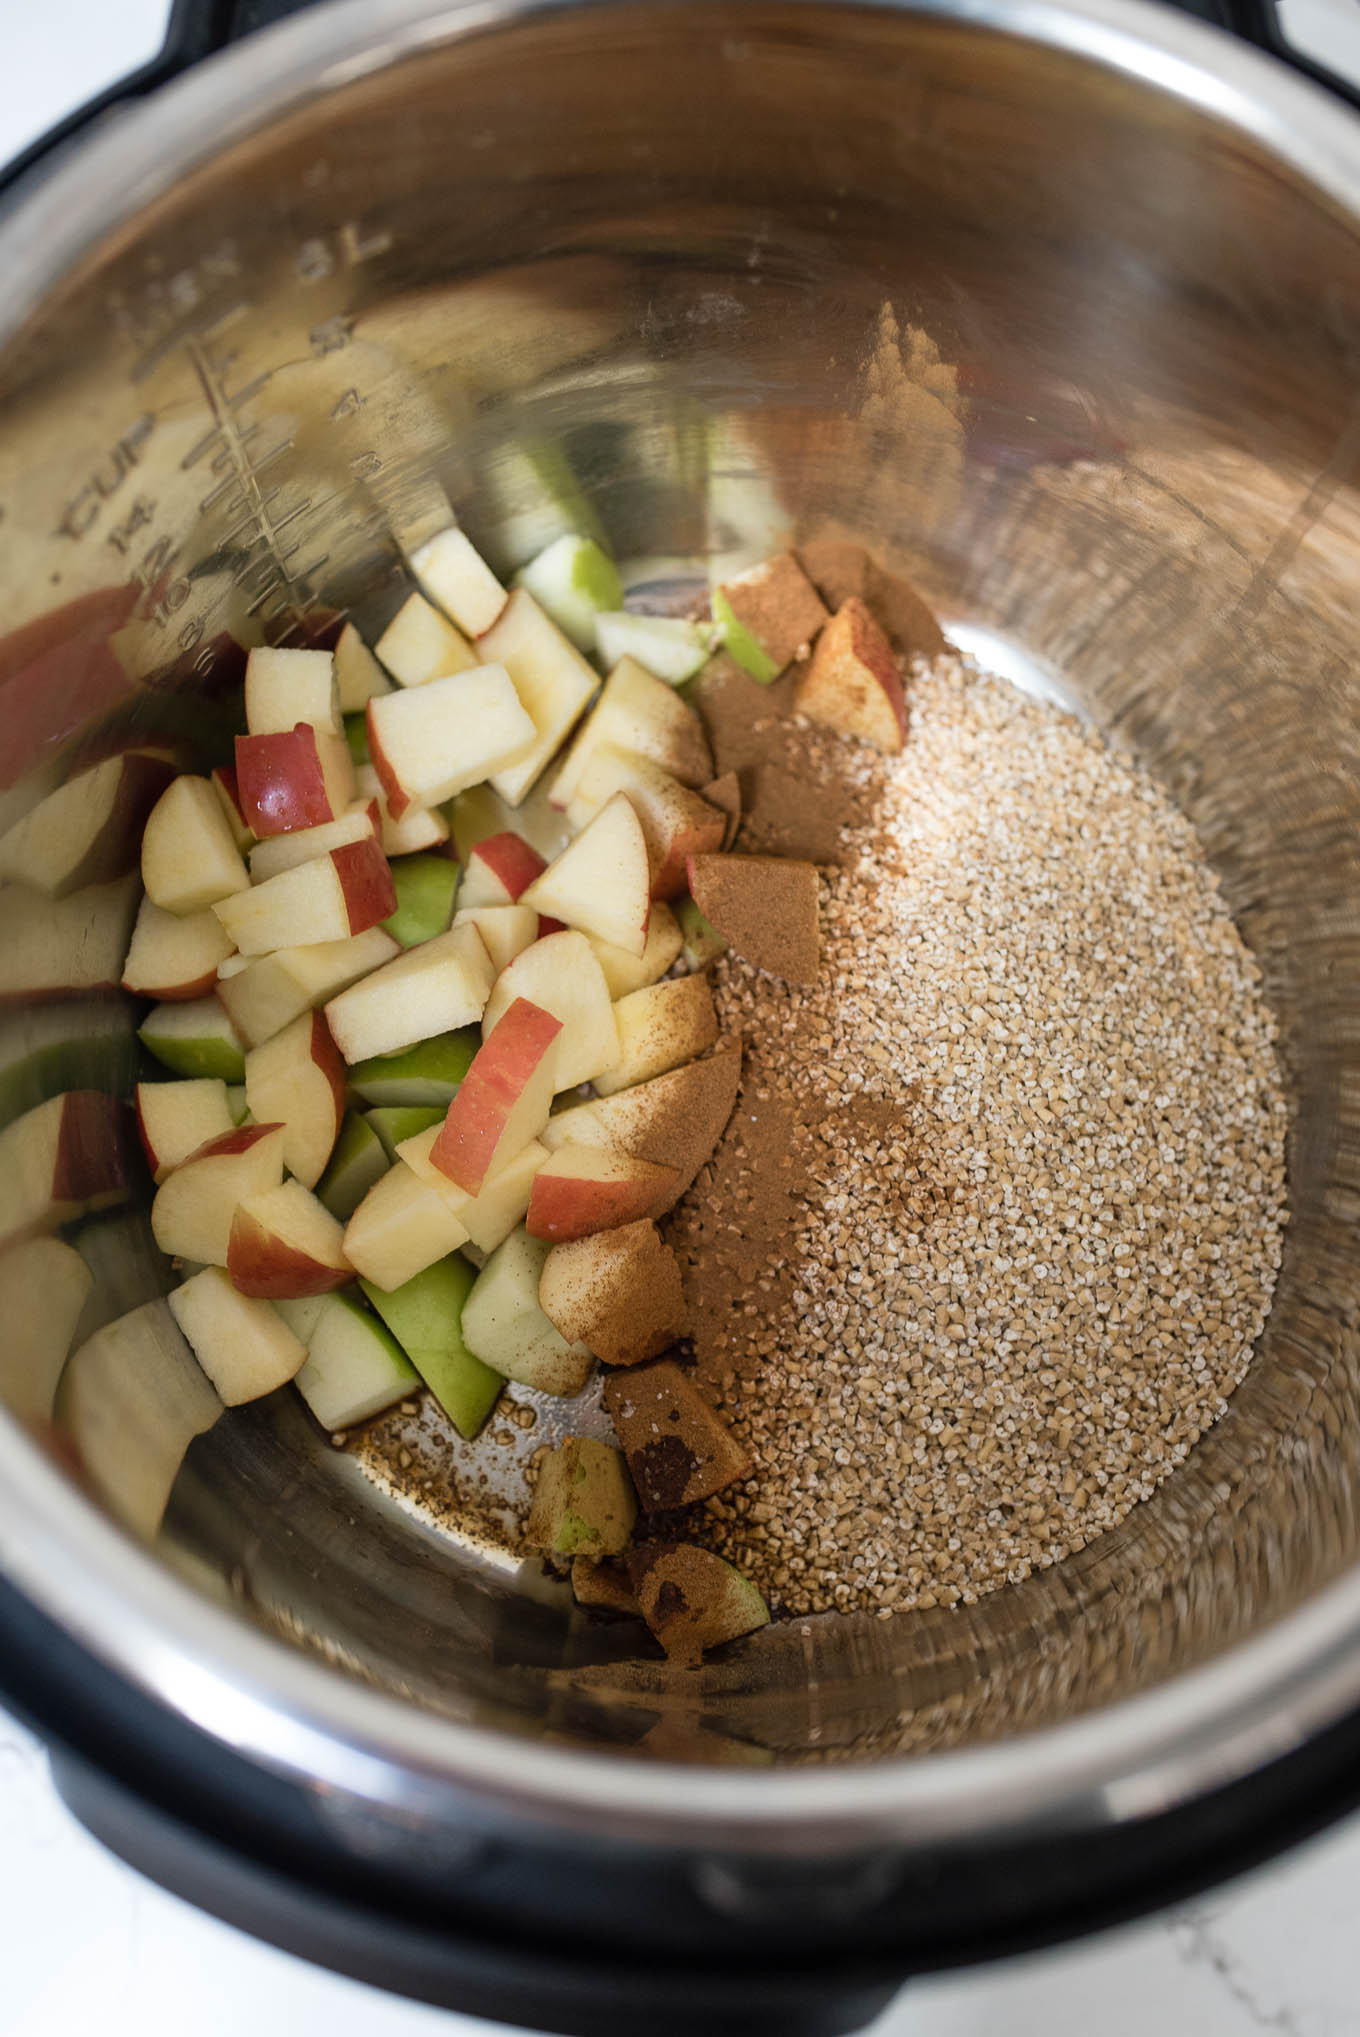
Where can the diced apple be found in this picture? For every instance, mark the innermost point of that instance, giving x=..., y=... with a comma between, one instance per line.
x=479, y=813
x=501, y=1202
x=419, y=644
x=840, y=568
x=174, y=956
x=765, y=907
x=702, y=943
x=498, y=869
x=67, y=947
x=675, y=1120
x=193, y=1208
x=561, y=975
x=572, y=581
x=617, y=1292
x=429, y=743
x=504, y=1099
x=175, y=1118
x=659, y=1028
x=228, y=792
x=676, y=823
x=358, y=675
x=293, y=779
x=284, y=688
x=624, y=972
x=356, y=740
x=693, y=1600
x=554, y=683
x=358, y=823
x=328, y=899
x=434, y=988
x=89, y=830
x=581, y=1189
x=297, y=1080
x=132, y=1399
x=768, y=616
x=506, y=930
x=425, y=888
x=425, y=1315
x=601, y=882
x=420, y=827
x=355, y=1367
x=273, y=990
x=396, y=1122
x=244, y=1346
x=195, y=1039
x=504, y=1326
x=672, y=647
x=725, y=794
x=68, y=1156
x=47, y=1048
x=679, y=1449
x=360, y=1158
x=458, y=580
x=401, y=1227
x=284, y=1243
x=583, y=1504
x=189, y=858
x=427, y=1074
x=43, y=1288
x=601, y=1584
x=639, y=712
x=852, y=681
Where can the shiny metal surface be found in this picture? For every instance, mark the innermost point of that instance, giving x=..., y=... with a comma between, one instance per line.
x=1059, y=308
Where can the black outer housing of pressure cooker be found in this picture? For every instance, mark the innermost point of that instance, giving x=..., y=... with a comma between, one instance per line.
x=555, y=1932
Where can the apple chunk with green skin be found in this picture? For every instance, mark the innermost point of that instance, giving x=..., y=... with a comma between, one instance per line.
x=175, y=1118
x=425, y=1315
x=189, y=858
x=284, y=1245
x=583, y=1504
x=43, y=1288
x=659, y=1028
x=506, y=930
x=244, y=1346
x=193, y=1208
x=617, y=1292
x=424, y=1076
x=401, y=1227
x=675, y=1120
x=560, y=974
x=504, y=1326
x=702, y=943
x=500, y=1204
x=504, y=1100
x=62, y=1160
x=292, y=779
x=693, y=1600
x=132, y=1399
x=433, y=741
x=420, y=644
x=358, y=823
x=768, y=616
x=554, y=683
x=582, y=1189
x=328, y=899
x=676, y=823
x=601, y=882
x=359, y=1160
x=89, y=830
x=498, y=870
x=672, y=647
x=573, y=580
x=358, y=675
x=640, y=713
x=285, y=687
x=355, y=1367
x=431, y=989
x=273, y=990
x=297, y=1080
x=395, y=1123
x=66, y=947
x=174, y=956
x=425, y=891
x=196, y=1039
x=624, y=972
x=455, y=576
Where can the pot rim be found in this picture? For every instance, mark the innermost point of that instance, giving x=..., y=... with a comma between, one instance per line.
x=288, y=1712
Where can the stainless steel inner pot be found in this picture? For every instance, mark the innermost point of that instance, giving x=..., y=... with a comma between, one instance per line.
x=1058, y=307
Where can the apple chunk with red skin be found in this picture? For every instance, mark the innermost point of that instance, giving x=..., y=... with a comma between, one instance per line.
x=582, y=1189
x=328, y=899
x=174, y=956
x=429, y=742
x=284, y=1245
x=498, y=870
x=192, y=1212
x=89, y=830
x=189, y=856
x=601, y=882
x=359, y=822
x=293, y=778
x=175, y=1118
x=504, y=1099
x=560, y=973
x=297, y=1080
x=852, y=681
x=62, y=1160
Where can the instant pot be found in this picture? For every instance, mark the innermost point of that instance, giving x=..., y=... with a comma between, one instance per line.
x=1057, y=307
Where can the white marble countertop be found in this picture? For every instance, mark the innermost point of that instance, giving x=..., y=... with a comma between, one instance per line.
x=89, y=1945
